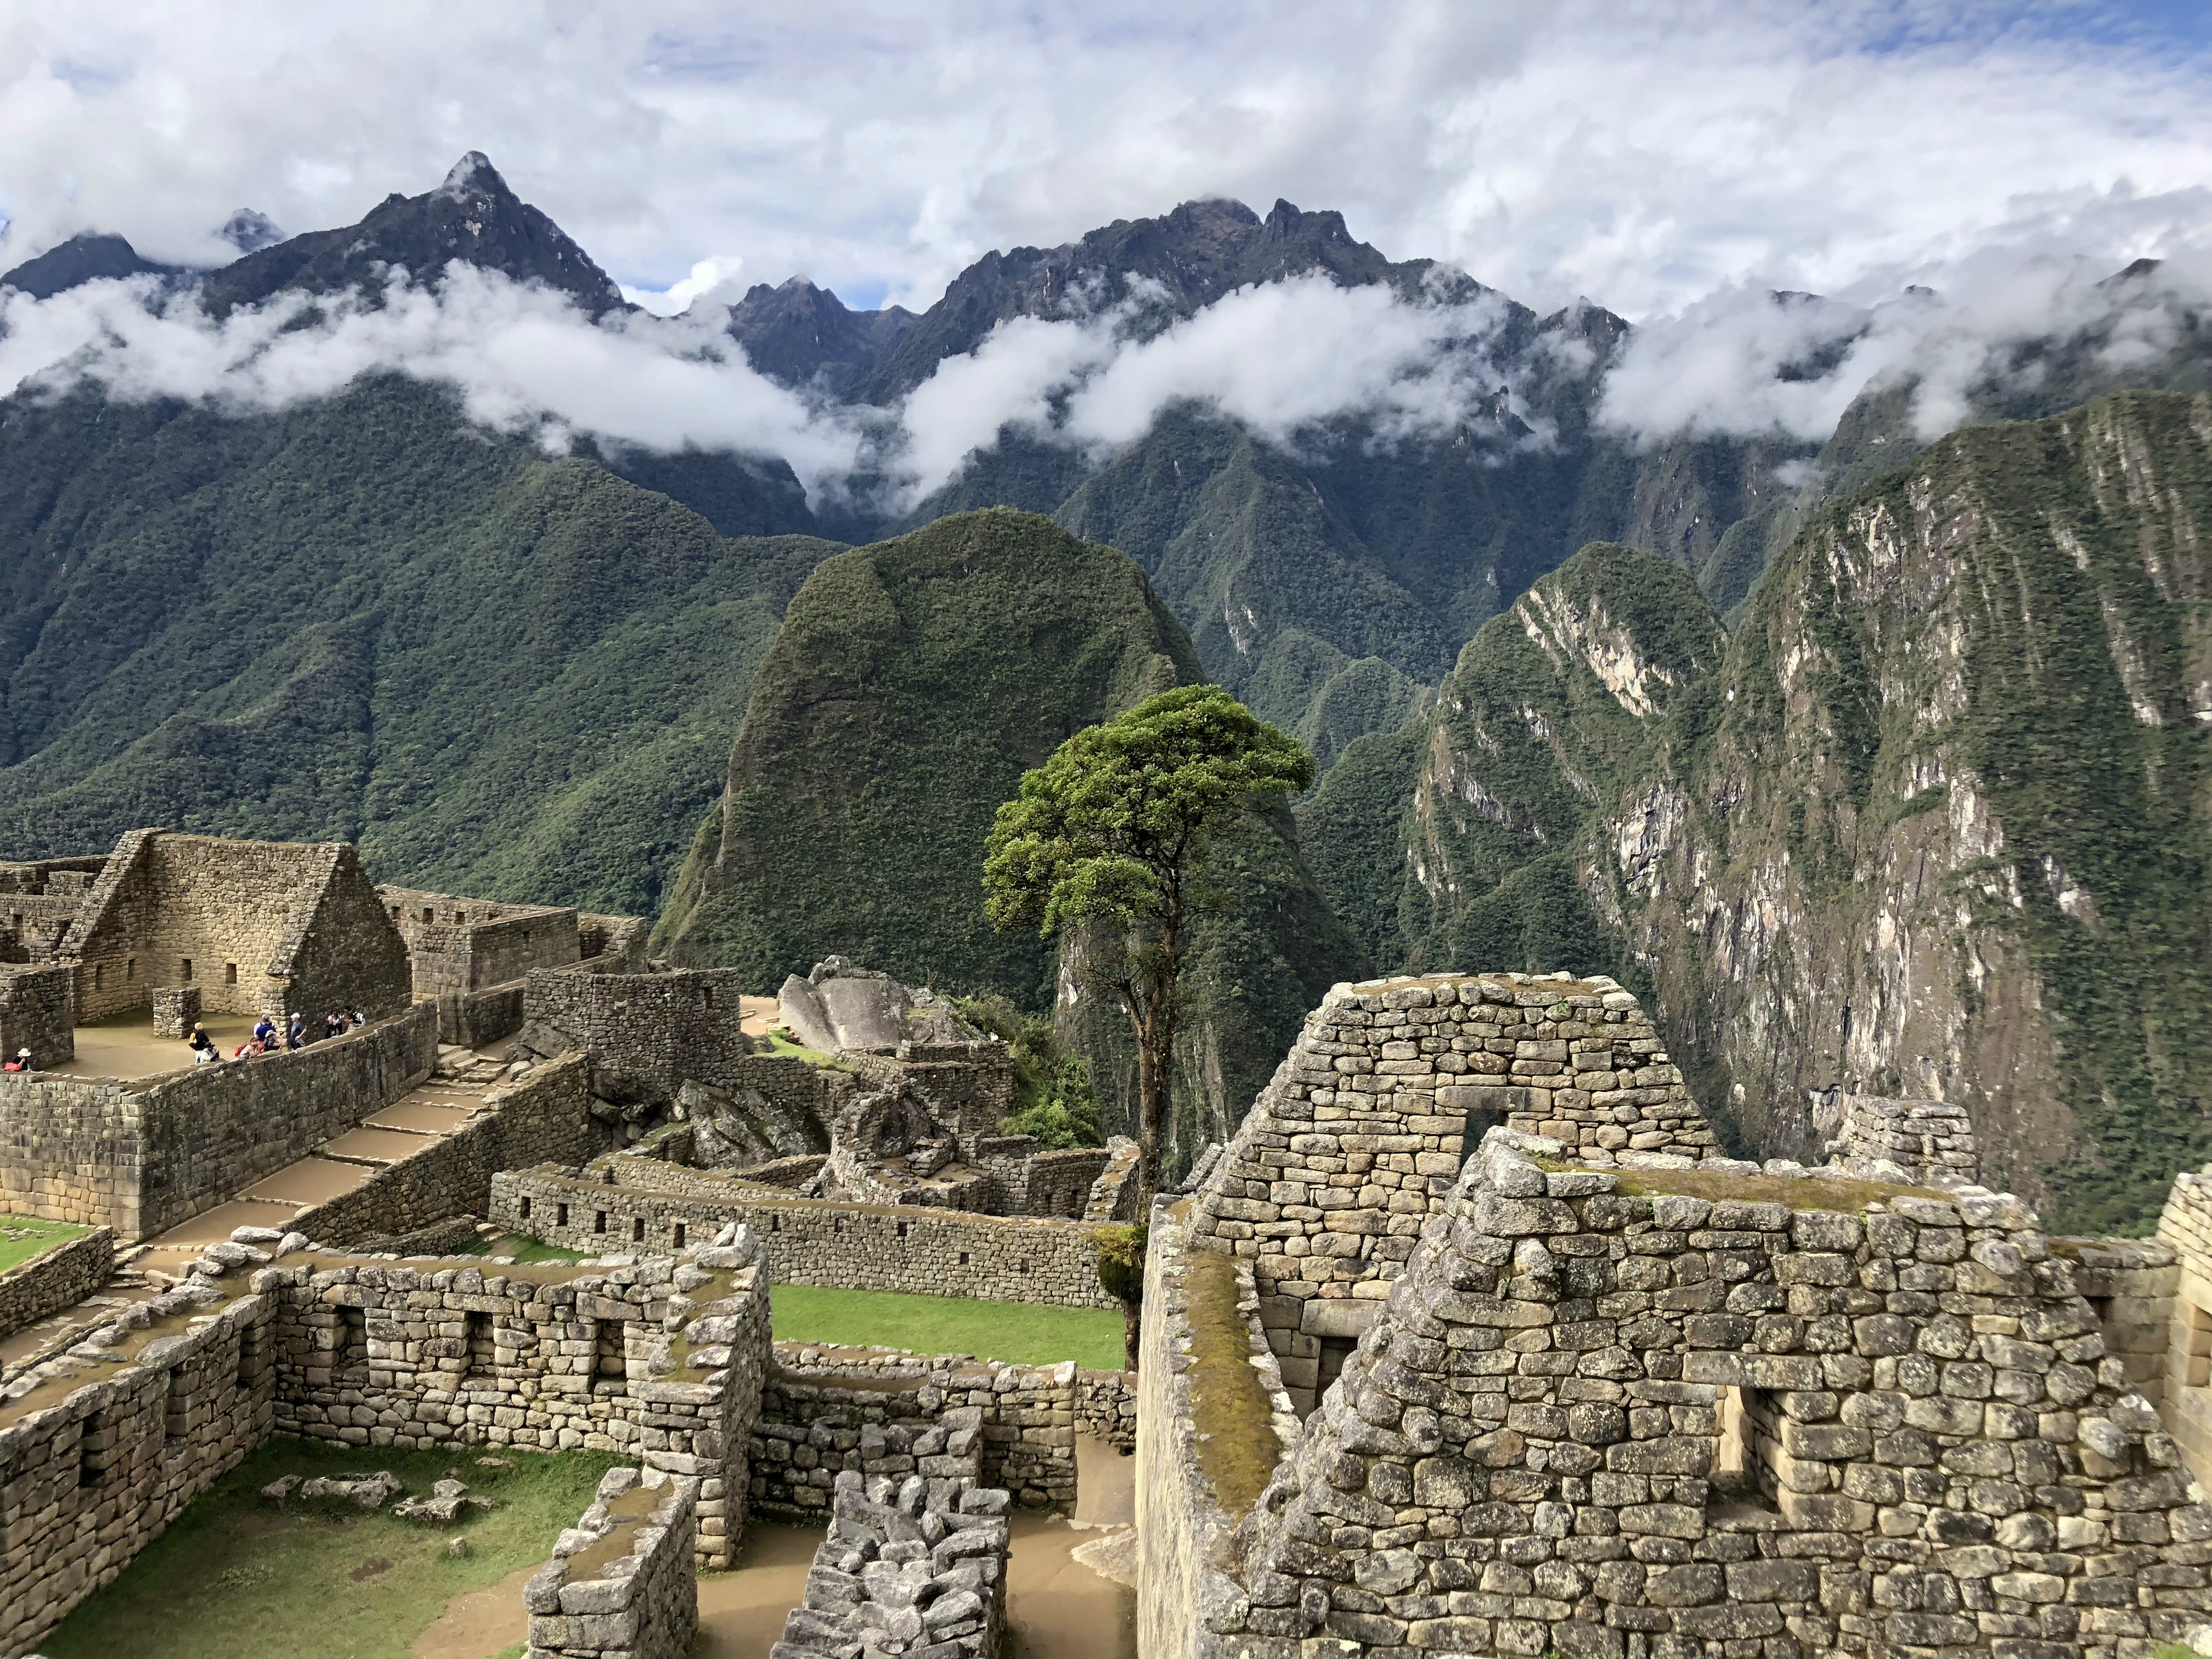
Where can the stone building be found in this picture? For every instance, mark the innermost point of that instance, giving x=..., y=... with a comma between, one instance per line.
x=262, y=928
x=473, y=955
x=1622, y=1403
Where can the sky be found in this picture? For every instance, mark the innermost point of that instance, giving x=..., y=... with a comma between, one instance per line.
x=1950, y=176
x=1646, y=155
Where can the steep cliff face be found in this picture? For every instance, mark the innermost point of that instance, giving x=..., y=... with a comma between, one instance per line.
x=1554, y=708
x=1947, y=833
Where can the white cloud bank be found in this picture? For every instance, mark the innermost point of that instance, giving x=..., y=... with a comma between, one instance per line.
x=524, y=360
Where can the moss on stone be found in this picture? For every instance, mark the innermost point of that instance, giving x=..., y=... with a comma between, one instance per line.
x=1798, y=1191
x=1230, y=1412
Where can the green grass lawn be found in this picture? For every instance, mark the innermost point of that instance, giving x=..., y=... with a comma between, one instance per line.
x=1020, y=1332
x=522, y=1248
x=237, y=1576
x=22, y=1236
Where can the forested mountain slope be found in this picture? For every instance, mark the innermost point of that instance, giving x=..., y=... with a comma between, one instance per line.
x=911, y=685
x=500, y=673
x=1938, y=821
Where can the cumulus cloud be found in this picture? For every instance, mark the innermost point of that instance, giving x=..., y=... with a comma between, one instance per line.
x=708, y=279
x=523, y=360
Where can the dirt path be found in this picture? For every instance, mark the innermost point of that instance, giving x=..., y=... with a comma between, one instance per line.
x=479, y=1622
x=741, y=1611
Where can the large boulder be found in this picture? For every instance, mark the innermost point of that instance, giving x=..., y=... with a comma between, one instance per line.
x=839, y=1006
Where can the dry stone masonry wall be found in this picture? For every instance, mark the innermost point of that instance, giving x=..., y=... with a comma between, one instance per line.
x=61, y=1277
x=621, y=1585
x=1686, y=1415
x=1355, y=1141
x=1922, y=1142
x=915, y=1566
x=921, y=1251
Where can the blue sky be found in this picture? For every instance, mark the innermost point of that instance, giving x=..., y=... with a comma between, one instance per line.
x=1645, y=154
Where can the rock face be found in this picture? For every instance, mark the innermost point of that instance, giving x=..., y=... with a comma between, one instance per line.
x=1935, y=826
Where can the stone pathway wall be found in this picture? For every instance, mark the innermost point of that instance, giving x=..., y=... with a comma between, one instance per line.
x=641, y=1604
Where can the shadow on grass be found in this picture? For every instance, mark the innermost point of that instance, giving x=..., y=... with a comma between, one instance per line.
x=235, y=1577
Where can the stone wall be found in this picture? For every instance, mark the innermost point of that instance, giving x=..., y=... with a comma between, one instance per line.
x=37, y=1012
x=470, y=957
x=2129, y=1285
x=1357, y=1138
x=2185, y=1227
x=208, y=1131
x=646, y=1033
x=1106, y=1407
x=621, y=1585
x=662, y=1360
x=914, y=1565
x=260, y=926
x=1531, y=1451
x=1925, y=1142
x=921, y=1251
x=97, y=1459
x=544, y=1114
x=70, y=1150
x=826, y=1411
x=61, y=1277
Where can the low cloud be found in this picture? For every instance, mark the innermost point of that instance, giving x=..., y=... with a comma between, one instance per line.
x=1287, y=361
x=523, y=360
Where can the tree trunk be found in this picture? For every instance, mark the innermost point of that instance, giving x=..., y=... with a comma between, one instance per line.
x=1131, y=1324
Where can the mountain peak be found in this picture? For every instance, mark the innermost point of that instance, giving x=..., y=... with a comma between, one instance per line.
x=250, y=232
x=471, y=218
x=472, y=173
x=84, y=257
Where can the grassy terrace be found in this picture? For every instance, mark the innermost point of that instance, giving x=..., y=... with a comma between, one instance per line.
x=235, y=1576
x=1798, y=1191
x=1019, y=1333
x=23, y=1237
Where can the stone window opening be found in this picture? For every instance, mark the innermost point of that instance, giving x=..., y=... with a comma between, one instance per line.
x=2196, y=1363
x=637, y=1230
x=177, y=1406
x=352, y=1345
x=681, y=1233
x=230, y=972
x=1747, y=1444
x=560, y=1215
x=1022, y=1265
x=99, y=973
x=903, y=1226
x=480, y=1353
x=184, y=976
x=129, y=968
x=598, y=1221
x=610, y=1356
x=522, y=1210
x=776, y=1223
x=710, y=991
x=963, y=1258
x=429, y=915
x=19, y=921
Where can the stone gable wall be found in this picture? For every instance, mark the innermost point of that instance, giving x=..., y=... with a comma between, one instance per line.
x=61, y=1277
x=2185, y=1227
x=1532, y=1450
x=1357, y=1139
x=298, y=924
x=921, y=1251
x=472, y=945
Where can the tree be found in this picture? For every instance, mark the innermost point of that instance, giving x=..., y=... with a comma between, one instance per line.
x=1113, y=828
x=1122, y=1272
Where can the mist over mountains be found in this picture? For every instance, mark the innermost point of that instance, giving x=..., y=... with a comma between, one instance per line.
x=416, y=533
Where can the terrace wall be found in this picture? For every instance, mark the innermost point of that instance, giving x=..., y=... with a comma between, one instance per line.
x=61, y=1277
x=921, y=1251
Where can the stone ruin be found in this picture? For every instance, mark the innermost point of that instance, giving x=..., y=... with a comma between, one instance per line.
x=915, y=1566
x=1623, y=1403
x=1920, y=1142
x=842, y=1007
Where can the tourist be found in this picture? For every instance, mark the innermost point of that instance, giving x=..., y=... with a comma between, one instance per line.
x=21, y=1063
x=265, y=1029
x=201, y=1045
x=360, y=1018
x=334, y=1023
x=297, y=1036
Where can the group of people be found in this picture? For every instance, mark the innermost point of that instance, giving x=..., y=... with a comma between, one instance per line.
x=267, y=1039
